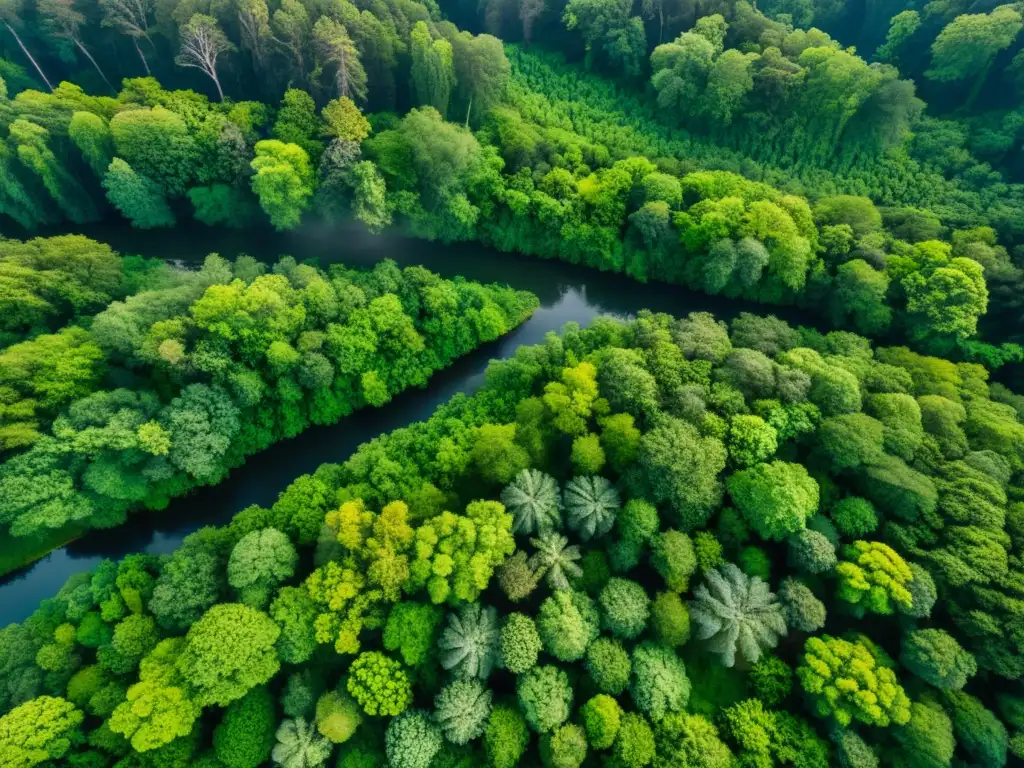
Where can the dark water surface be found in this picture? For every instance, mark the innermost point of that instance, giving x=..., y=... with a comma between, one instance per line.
x=566, y=292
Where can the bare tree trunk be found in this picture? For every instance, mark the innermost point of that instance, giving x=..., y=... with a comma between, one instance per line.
x=28, y=55
x=216, y=82
x=135, y=42
x=469, y=111
x=88, y=55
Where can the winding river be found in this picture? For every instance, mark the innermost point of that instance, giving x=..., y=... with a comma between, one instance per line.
x=566, y=292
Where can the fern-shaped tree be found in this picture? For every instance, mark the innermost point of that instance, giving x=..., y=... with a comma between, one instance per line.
x=469, y=643
x=555, y=559
x=300, y=746
x=736, y=612
x=592, y=504
x=534, y=501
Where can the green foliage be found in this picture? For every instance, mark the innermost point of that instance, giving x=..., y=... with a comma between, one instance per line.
x=379, y=684
x=937, y=658
x=506, y=736
x=634, y=743
x=672, y=555
x=608, y=665
x=776, y=499
x=462, y=709
x=849, y=681
x=736, y=613
x=411, y=630
x=245, y=735
x=670, y=619
x=978, y=731
x=684, y=739
x=259, y=562
x=469, y=643
x=568, y=624
x=519, y=643
x=804, y=611
x=299, y=745
x=625, y=608
x=854, y=517
x=412, y=740
x=771, y=680
x=591, y=505
x=874, y=578
x=283, y=181
x=137, y=197
x=535, y=502
x=565, y=747
x=545, y=697
x=602, y=716
x=659, y=684
x=337, y=717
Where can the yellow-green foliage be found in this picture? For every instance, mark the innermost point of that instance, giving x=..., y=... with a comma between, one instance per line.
x=874, y=578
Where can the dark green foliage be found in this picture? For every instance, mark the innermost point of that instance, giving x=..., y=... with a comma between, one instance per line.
x=246, y=733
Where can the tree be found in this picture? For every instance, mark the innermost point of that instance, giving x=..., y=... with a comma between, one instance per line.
x=229, y=651
x=684, y=739
x=300, y=746
x=854, y=516
x=245, y=735
x=202, y=43
x=634, y=743
x=608, y=29
x=736, y=612
x=154, y=715
x=601, y=718
x=535, y=502
x=433, y=69
x=811, y=552
x=38, y=731
x=462, y=709
x=131, y=18
x=804, y=611
x=345, y=121
x=334, y=47
x=591, y=504
x=968, y=45
x=567, y=624
x=337, y=717
x=874, y=578
x=62, y=22
x=379, y=684
x=481, y=71
x=978, y=731
x=625, y=608
x=847, y=680
x=260, y=561
x=506, y=737
x=937, y=658
x=927, y=740
x=776, y=499
x=659, y=685
x=555, y=560
x=519, y=643
x=469, y=643
x=412, y=740
x=670, y=619
x=283, y=181
x=254, y=25
x=411, y=630
x=545, y=697
x=10, y=15
x=608, y=665
x=91, y=134
x=564, y=747
x=673, y=557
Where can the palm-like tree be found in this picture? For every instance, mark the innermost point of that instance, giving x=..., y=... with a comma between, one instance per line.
x=592, y=504
x=469, y=644
x=555, y=559
x=534, y=501
x=300, y=746
x=737, y=612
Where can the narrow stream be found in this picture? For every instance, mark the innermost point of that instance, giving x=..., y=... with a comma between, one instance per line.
x=566, y=292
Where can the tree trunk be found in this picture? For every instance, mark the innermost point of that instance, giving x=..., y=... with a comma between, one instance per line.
x=88, y=55
x=469, y=111
x=28, y=55
x=145, y=63
x=216, y=82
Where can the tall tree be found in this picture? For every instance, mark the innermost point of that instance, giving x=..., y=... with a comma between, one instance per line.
x=254, y=24
x=63, y=23
x=130, y=18
x=433, y=70
x=481, y=70
x=10, y=16
x=202, y=43
x=967, y=46
x=291, y=30
x=335, y=47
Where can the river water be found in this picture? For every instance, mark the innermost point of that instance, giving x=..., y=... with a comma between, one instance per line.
x=567, y=293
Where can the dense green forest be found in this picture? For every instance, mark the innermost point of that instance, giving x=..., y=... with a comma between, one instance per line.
x=651, y=543
x=177, y=383
x=655, y=543
x=761, y=160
